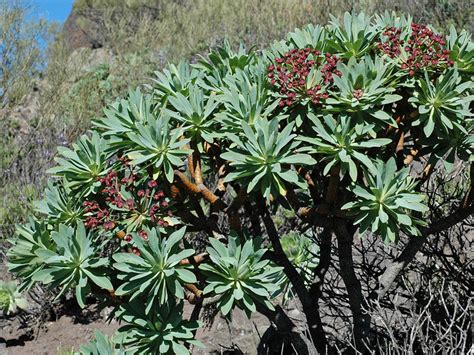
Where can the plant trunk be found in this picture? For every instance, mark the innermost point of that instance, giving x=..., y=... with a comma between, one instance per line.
x=361, y=320
x=310, y=308
x=315, y=292
x=283, y=334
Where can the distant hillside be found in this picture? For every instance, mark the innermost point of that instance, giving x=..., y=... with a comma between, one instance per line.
x=86, y=25
x=91, y=20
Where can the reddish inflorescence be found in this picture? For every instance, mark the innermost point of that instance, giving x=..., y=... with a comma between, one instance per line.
x=143, y=234
x=425, y=48
x=358, y=93
x=109, y=207
x=392, y=45
x=289, y=74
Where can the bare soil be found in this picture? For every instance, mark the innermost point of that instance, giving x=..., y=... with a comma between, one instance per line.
x=67, y=333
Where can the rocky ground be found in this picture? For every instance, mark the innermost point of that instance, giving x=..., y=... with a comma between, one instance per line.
x=74, y=328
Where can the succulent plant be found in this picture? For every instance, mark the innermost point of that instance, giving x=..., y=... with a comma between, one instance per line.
x=246, y=99
x=263, y=158
x=23, y=259
x=353, y=38
x=101, y=345
x=157, y=145
x=222, y=62
x=82, y=166
x=60, y=205
x=172, y=80
x=443, y=105
x=362, y=91
x=10, y=298
x=343, y=143
x=383, y=205
x=73, y=264
x=163, y=331
x=156, y=270
x=195, y=114
x=122, y=117
x=240, y=275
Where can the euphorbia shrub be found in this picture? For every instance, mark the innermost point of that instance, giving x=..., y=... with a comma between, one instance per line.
x=340, y=126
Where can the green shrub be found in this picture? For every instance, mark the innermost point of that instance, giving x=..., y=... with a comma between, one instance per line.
x=326, y=123
x=20, y=37
x=139, y=37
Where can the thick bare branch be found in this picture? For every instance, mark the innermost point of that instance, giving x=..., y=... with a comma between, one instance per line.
x=200, y=189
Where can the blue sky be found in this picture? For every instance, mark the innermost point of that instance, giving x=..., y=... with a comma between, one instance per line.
x=55, y=10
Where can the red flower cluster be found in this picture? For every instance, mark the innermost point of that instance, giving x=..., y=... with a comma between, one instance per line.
x=143, y=234
x=425, y=48
x=330, y=68
x=99, y=216
x=392, y=45
x=290, y=72
x=109, y=206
